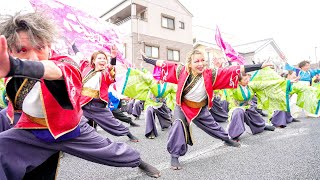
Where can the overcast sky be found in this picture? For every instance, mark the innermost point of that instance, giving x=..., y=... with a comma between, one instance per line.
x=294, y=25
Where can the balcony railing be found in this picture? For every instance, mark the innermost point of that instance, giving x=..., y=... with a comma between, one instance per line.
x=128, y=18
x=123, y=21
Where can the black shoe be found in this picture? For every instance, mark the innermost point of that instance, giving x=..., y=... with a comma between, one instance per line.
x=237, y=139
x=163, y=129
x=263, y=114
x=269, y=128
x=149, y=170
x=232, y=143
x=134, y=124
x=132, y=137
x=175, y=164
x=295, y=120
x=136, y=118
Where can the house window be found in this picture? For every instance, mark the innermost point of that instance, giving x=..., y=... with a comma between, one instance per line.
x=143, y=15
x=151, y=51
x=181, y=25
x=167, y=22
x=173, y=55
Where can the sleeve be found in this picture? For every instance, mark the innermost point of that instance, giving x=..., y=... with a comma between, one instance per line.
x=83, y=64
x=114, y=101
x=229, y=94
x=224, y=78
x=314, y=72
x=307, y=97
x=137, y=84
x=171, y=96
x=290, y=67
x=272, y=95
x=224, y=95
x=67, y=91
x=111, y=73
x=265, y=74
x=170, y=72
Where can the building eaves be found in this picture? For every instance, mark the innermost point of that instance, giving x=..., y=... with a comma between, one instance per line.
x=113, y=8
x=204, y=43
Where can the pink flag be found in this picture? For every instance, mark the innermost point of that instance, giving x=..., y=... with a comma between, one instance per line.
x=89, y=33
x=228, y=50
x=219, y=39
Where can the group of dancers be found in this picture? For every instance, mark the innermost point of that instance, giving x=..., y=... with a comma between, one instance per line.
x=50, y=102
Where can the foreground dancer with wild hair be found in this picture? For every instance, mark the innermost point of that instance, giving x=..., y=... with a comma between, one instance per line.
x=46, y=89
x=195, y=85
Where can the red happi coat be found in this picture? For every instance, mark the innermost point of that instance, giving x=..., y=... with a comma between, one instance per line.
x=105, y=80
x=58, y=119
x=221, y=78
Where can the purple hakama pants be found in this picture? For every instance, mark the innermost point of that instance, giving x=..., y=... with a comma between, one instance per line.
x=281, y=118
x=218, y=113
x=249, y=116
x=137, y=108
x=177, y=140
x=225, y=105
x=97, y=111
x=130, y=106
x=164, y=115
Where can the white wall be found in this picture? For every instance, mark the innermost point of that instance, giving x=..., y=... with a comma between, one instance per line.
x=153, y=25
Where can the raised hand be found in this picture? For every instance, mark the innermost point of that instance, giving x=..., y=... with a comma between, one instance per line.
x=114, y=51
x=143, y=55
x=150, y=61
x=4, y=57
x=267, y=63
x=295, y=80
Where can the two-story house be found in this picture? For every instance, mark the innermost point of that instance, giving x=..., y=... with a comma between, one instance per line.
x=160, y=28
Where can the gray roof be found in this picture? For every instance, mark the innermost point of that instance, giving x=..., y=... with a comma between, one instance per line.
x=204, y=43
x=123, y=1
x=253, y=47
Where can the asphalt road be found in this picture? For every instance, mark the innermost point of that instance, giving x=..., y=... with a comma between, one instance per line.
x=289, y=153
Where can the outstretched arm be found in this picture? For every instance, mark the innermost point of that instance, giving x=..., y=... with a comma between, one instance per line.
x=154, y=62
x=289, y=67
x=254, y=67
x=170, y=71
